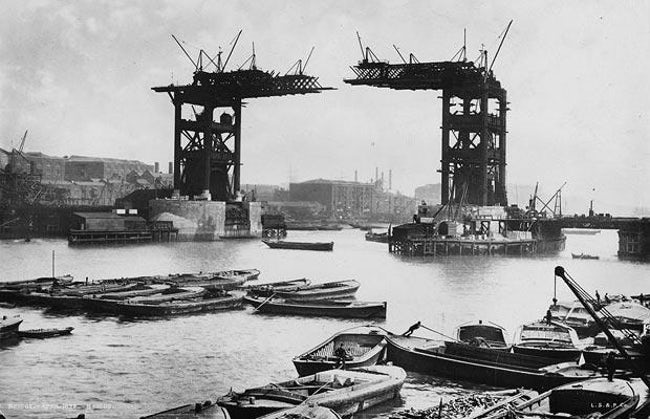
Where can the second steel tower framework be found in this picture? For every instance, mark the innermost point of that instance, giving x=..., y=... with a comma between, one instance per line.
x=474, y=107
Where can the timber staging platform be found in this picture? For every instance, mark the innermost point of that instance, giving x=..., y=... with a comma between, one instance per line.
x=473, y=247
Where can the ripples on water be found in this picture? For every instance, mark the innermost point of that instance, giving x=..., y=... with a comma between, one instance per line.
x=111, y=367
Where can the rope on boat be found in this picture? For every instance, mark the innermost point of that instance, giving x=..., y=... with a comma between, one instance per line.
x=440, y=333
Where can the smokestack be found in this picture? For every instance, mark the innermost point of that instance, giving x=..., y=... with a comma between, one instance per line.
x=156, y=167
x=382, y=178
x=171, y=168
x=390, y=179
x=376, y=174
x=355, y=176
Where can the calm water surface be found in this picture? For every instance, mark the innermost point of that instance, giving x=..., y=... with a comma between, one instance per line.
x=111, y=367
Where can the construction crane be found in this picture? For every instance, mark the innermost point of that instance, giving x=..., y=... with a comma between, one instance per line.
x=557, y=196
x=20, y=190
x=588, y=302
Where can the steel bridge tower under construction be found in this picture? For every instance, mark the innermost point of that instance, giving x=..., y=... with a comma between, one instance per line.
x=207, y=152
x=474, y=107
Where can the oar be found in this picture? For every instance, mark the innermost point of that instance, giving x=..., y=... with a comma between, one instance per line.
x=264, y=302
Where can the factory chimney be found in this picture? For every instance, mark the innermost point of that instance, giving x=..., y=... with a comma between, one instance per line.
x=171, y=168
x=355, y=176
x=390, y=179
x=156, y=167
x=376, y=174
x=382, y=179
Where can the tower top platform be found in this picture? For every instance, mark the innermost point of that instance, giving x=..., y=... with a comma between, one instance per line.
x=223, y=87
x=422, y=76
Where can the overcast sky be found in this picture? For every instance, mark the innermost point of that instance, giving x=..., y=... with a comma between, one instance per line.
x=78, y=76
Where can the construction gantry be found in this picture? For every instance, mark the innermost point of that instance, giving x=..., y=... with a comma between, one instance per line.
x=207, y=152
x=474, y=106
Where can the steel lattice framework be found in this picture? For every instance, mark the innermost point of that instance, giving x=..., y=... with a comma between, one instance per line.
x=474, y=110
x=207, y=155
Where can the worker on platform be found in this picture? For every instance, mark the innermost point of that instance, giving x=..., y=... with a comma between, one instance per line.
x=607, y=300
x=549, y=316
x=597, y=297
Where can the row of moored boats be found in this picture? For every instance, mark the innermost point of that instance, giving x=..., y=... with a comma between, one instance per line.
x=358, y=368
x=177, y=294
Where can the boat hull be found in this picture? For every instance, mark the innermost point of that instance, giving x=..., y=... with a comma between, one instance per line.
x=498, y=356
x=369, y=386
x=322, y=246
x=561, y=355
x=346, y=309
x=365, y=349
x=9, y=326
x=329, y=290
x=179, y=307
x=266, y=290
x=460, y=368
x=44, y=333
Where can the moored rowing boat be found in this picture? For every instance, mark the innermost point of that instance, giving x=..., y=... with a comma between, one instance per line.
x=327, y=290
x=268, y=289
x=171, y=308
x=44, y=333
x=344, y=391
x=328, y=308
x=281, y=244
x=364, y=346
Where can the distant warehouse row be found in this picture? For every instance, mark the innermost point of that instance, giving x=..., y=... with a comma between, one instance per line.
x=80, y=180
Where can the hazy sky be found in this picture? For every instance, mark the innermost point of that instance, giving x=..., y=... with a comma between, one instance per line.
x=78, y=76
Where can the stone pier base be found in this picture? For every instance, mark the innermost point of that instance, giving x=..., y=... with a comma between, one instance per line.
x=205, y=220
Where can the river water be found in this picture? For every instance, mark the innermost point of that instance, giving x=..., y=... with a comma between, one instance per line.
x=112, y=367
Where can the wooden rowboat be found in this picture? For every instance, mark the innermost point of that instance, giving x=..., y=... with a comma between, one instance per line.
x=377, y=237
x=172, y=308
x=482, y=334
x=146, y=290
x=327, y=290
x=344, y=391
x=223, y=280
x=547, y=339
x=171, y=294
x=9, y=325
x=268, y=289
x=44, y=333
x=327, y=308
x=102, y=288
x=365, y=346
x=281, y=244
x=584, y=256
